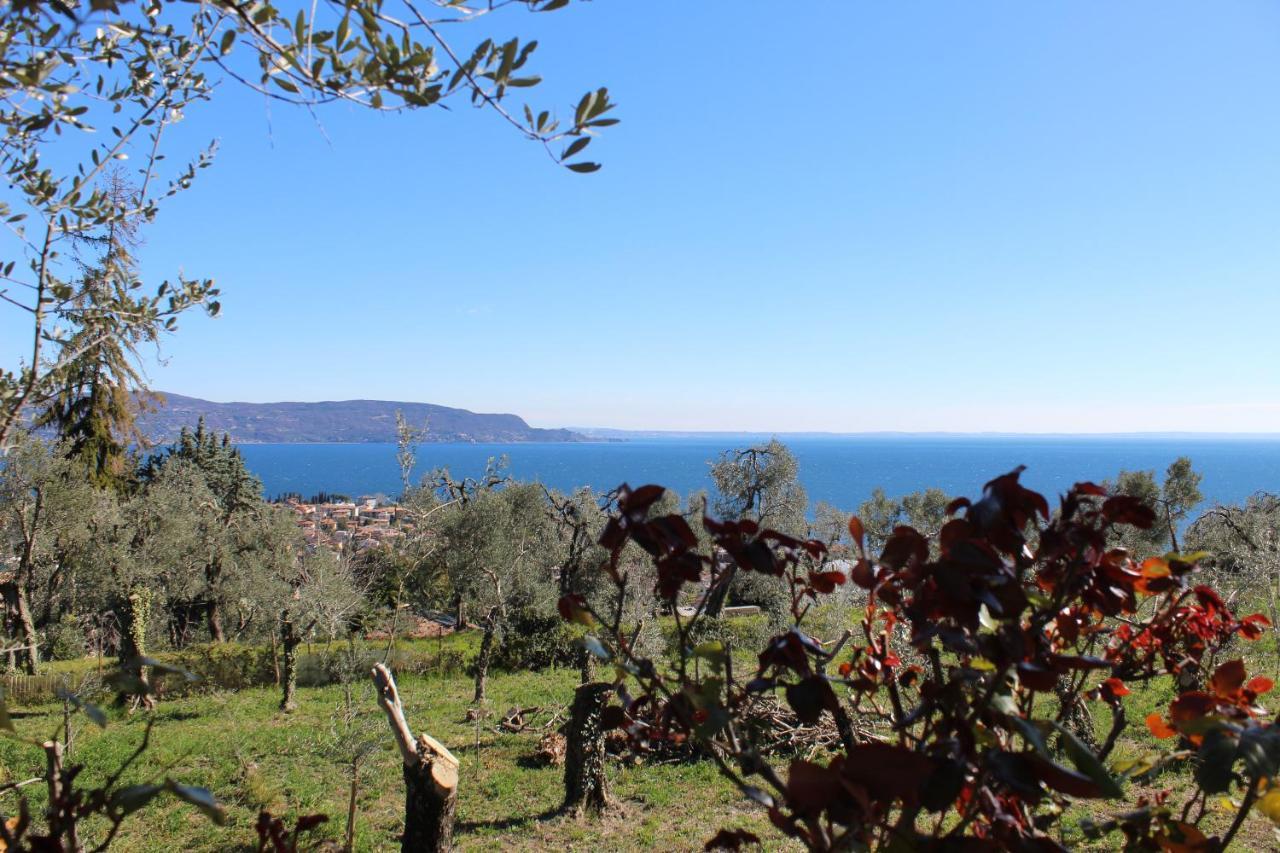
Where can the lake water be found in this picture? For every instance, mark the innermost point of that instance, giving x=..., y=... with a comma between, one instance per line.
x=840, y=470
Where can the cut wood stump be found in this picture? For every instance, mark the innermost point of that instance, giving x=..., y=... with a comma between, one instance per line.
x=586, y=787
x=551, y=749
x=430, y=776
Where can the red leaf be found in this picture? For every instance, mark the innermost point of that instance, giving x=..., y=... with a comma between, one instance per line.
x=826, y=582
x=1037, y=677
x=856, y=531
x=635, y=503
x=1191, y=706
x=1155, y=567
x=1228, y=678
x=573, y=608
x=810, y=697
x=1126, y=509
x=887, y=771
x=1260, y=684
x=905, y=544
x=1251, y=626
x=811, y=787
x=1159, y=727
x=1116, y=686
x=309, y=822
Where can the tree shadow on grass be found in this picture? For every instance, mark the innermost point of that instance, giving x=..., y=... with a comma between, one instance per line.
x=174, y=715
x=514, y=822
x=532, y=762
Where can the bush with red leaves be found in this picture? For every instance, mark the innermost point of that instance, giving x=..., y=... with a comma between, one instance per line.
x=1021, y=617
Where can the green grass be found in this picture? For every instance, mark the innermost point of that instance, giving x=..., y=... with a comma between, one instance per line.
x=253, y=757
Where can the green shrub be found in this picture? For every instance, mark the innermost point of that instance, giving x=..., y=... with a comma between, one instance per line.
x=429, y=664
x=66, y=640
x=739, y=632
x=534, y=641
x=220, y=666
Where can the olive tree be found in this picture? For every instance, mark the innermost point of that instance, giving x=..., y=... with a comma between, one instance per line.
x=1172, y=499
x=318, y=595
x=43, y=511
x=498, y=548
x=1241, y=547
x=759, y=483
x=926, y=511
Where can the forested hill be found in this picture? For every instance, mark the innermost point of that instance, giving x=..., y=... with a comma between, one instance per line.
x=352, y=421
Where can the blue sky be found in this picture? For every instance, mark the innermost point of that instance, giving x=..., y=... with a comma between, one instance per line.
x=845, y=216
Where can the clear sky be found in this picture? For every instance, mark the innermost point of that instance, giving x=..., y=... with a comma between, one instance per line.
x=845, y=216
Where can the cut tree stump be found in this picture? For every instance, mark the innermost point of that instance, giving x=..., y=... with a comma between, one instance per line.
x=430, y=777
x=586, y=787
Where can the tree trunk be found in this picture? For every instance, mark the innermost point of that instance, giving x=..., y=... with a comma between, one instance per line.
x=135, y=613
x=1076, y=718
x=586, y=666
x=586, y=787
x=289, y=640
x=26, y=624
x=486, y=653
x=459, y=615
x=430, y=777
x=275, y=659
x=719, y=592
x=215, y=623
x=350, y=845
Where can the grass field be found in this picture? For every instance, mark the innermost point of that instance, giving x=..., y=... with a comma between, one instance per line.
x=254, y=757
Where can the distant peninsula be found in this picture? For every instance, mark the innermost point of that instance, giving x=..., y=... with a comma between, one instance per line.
x=344, y=421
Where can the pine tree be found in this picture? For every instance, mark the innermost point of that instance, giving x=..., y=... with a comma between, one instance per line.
x=100, y=391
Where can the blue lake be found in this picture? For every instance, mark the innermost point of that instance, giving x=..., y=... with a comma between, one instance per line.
x=840, y=470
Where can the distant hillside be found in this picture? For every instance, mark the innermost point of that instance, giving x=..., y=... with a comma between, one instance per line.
x=349, y=421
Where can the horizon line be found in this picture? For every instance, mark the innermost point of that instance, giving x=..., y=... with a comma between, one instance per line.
x=928, y=433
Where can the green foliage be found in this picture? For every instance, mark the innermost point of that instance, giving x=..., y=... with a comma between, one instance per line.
x=761, y=483
x=94, y=407
x=219, y=463
x=45, y=513
x=831, y=527
x=880, y=514
x=66, y=639
x=194, y=539
x=1172, y=500
x=536, y=639
x=741, y=633
x=222, y=666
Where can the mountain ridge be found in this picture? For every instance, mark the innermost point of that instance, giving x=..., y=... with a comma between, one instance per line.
x=337, y=422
